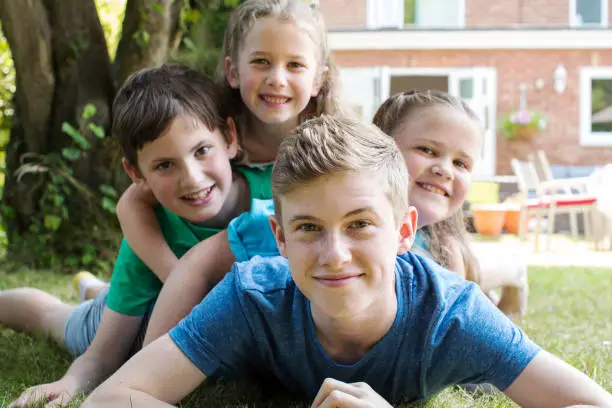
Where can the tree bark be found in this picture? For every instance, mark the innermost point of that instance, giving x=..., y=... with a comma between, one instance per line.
x=148, y=35
x=26, y=28
x=83, y=76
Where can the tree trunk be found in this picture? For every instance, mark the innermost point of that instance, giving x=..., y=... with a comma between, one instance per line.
x=30, y=39
x=148, y=35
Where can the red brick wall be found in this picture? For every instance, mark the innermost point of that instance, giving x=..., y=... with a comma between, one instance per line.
x=516, y=13
x=479, y=13
x=561, y=140
x=344, y=13
x=486, y=13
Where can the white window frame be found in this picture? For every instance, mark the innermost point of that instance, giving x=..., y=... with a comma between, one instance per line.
x=588, y=138
x=575, y=23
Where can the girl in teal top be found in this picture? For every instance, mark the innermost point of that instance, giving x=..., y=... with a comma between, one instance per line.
x=441, y=138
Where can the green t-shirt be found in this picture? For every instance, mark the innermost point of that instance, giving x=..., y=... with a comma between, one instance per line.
x=259, y=179
x=134, y=287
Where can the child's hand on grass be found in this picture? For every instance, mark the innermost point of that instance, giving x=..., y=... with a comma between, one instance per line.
x=338, y=394
x=55, y=394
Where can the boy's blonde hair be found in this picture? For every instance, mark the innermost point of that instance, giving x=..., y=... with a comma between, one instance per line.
x=390, y=117
x=333, y=144
x=305, y=15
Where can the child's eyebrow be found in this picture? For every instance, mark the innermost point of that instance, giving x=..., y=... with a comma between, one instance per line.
x=301, y=217
x=198, y=145
x=359, y=211
x=305, y=217
x=265, y=54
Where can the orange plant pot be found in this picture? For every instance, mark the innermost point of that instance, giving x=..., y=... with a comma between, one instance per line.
x=489, y=219
x=512, y=221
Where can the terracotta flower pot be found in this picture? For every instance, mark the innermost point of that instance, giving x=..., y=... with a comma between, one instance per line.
x=489, y=219
x=512, y=221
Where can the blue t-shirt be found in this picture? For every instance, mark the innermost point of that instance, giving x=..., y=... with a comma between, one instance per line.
x=446, y=332
x=250, y=233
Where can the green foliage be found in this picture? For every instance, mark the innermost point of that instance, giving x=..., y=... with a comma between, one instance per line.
x=204, y=25
x=7, y=87
x=601, y=98
x=61, y=190
x=522, y=124
x=111, y=14
x=409, y=12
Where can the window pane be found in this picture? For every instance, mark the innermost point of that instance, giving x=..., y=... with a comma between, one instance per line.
x=439, y=13
x=466, y=88
x=601, y=105
x=589, y=11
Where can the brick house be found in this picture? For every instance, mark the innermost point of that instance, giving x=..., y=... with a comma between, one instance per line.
x=551, y=55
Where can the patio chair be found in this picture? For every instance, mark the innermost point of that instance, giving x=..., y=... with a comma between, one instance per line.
x=550, y=198
x=574, y=185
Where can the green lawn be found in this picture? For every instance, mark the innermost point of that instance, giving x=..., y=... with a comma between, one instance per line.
x=569, y=315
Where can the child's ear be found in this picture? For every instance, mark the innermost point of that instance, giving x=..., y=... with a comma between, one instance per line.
x=231, y=73
x=407, y=230
x=232, y=138
x=277, y=229
x=132, y=171
x=318, y=82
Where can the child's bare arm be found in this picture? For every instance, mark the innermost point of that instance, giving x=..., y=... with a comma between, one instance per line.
x=198, y=271
x=550, y=382
x=142, y=232
x=157, y=376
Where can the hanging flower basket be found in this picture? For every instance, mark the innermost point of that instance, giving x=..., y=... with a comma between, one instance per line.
x=522, y=125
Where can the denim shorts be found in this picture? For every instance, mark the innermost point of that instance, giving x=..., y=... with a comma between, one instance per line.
x=82, y=324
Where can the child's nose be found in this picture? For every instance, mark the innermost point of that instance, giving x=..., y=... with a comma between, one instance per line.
x=443, y=168
x=277, y=77
x=335, y=252
x=192, y=176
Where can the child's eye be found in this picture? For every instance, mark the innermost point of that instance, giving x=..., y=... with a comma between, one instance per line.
x=163, y=166
x=461, y=164
x=307, y=228
x=360, y=224
x=425, y=150
x=202, y=150
x=260, y=61
x=296, y=65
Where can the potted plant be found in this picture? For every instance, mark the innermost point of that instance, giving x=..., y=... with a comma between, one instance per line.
x=522, y=124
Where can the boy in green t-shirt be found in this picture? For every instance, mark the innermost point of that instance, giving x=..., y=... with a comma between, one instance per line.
x=177, y=143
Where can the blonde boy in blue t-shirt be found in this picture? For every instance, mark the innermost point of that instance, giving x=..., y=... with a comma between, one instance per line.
x=340, y=318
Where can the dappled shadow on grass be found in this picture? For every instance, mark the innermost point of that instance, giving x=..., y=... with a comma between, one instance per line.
x=241, y=394
x=250, y=395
